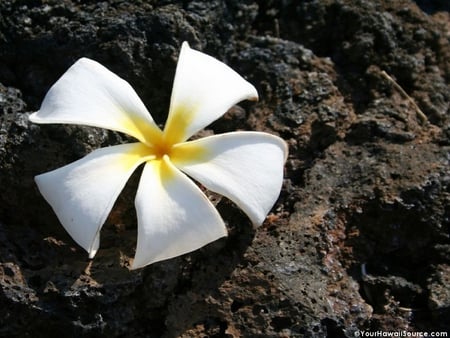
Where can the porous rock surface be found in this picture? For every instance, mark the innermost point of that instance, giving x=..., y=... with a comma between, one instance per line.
x=359, y=238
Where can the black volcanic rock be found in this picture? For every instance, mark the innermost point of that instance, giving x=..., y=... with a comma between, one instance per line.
x=359, y=238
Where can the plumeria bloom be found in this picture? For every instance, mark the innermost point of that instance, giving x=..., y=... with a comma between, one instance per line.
x=174, y=216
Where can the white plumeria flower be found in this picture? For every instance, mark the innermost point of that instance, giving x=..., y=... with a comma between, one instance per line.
x=174, y=216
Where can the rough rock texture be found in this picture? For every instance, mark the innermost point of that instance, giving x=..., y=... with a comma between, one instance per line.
x=359, y=238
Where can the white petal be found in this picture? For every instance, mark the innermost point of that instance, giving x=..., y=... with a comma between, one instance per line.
x=90, y=94
x=203, y=90
x=82, y=193
x=246, y=167
x=174, y=216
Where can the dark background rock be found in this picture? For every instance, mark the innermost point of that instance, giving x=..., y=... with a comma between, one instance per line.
x=359, y=238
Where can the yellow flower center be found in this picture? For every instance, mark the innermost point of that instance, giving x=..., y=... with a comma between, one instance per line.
x=161, y=149
x=168, y=144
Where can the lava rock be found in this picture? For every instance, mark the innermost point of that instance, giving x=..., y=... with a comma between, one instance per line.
x=359, y=238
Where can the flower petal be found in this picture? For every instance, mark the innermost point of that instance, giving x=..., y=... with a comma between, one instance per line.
x=82, y=193
x=203, y=90
x=90, y=94
x=174, y=216
x=246, y=167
